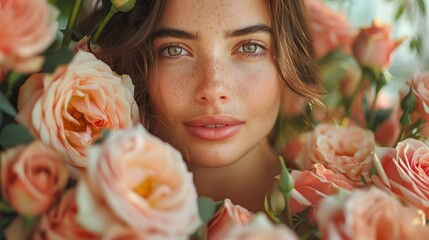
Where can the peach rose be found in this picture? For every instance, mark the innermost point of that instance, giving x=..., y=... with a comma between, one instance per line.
x=32, y=177
x=403, y=170
x=329, y=29
x=68, y=109
x=344, y=150
x=28, y=28
x=387, y=131
x=292, y=103
x=144, y=182
x=312, y=186
x=369, y=214
x=225, y=218
x=420, y=85
x=260, y=228
x=373, y=47
x=60, y=222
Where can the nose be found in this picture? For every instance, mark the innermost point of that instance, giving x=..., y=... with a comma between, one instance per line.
x=212, y=86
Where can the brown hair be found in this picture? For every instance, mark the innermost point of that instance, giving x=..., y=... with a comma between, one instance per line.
x=127, y=47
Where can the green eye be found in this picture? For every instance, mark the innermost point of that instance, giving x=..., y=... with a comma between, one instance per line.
x=174, y=51
x=250, y=48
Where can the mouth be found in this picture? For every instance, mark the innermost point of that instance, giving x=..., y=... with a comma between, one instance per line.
x=213, y=128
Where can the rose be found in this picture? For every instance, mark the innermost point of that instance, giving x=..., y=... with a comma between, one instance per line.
x=403, y=170
x=68, y=109
x=373, y=47
x=292, y=103
x=143, y=182
x=369, y=214
x=225, y=218
x=329, y=29
x=123, y=5
x=312, y=186
x=345, y=150
x=260, y=228
x=60, y=222
x=389, y=129
x=32, y=177
x=28, y=28
x=420, y=86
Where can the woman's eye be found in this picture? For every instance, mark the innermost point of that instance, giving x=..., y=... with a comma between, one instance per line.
x=252, y=49
x=173, y=51
x=249, y=48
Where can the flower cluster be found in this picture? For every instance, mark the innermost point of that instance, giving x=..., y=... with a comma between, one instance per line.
x=77, y=164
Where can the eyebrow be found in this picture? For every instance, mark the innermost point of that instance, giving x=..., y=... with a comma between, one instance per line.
x=249, y=30
x=178, y=33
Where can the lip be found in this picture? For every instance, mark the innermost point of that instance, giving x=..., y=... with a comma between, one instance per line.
x=213, y=128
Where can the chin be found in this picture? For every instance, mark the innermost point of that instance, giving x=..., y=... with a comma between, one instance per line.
x=211, y=157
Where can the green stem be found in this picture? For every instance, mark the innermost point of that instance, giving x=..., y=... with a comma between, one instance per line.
x=373, y=111
x=354, y=95
x=103, y=24
x=71, y=22
x=286, y=210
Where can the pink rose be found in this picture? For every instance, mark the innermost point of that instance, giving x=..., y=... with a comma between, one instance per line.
x=403, y=170
x=225, y=218
x=291, y=150
x=344, y=150
x=260, y=228
x=28, y=28
x=312, y=186
x=373, y=47
x=144, y=183
x=420, y=85
x=60, y=222
x=68, y=109
x=369, y=214
x=329, y=29
x=32, y=177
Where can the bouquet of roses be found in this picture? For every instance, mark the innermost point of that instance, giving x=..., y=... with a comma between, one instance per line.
x=77, y=164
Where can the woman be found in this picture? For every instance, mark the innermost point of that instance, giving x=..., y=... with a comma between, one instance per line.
x=209, y=78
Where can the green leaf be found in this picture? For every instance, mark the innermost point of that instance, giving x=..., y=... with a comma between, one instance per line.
x=5, y=207
x=270, y=212
x=6, y=106
x=373, y=171
x=399, y=11
x=207, y=208
x=422, y=6
x=15, y=134
x=29, y=223
x=381, y=116
x=52, y=61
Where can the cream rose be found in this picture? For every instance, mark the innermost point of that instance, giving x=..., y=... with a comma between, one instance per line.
x=225, y=218
x=28, y=28
x=32, y=177
x=75, y=103
x=369, y=214
x=329, y=29
x=312, y=186
x=260, y=228
x=345, y=150
x=144, y=182
x=404, y=171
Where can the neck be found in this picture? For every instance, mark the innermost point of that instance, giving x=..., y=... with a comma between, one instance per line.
x=245, y=182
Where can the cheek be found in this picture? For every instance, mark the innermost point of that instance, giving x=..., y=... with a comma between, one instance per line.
x=170, y=90
x=261, y=90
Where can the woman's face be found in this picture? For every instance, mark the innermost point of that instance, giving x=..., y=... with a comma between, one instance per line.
x=215, y=85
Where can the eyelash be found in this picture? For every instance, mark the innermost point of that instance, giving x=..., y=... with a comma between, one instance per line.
x=259, y=52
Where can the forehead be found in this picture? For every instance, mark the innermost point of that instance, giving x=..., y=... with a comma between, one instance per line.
x=200, y=15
